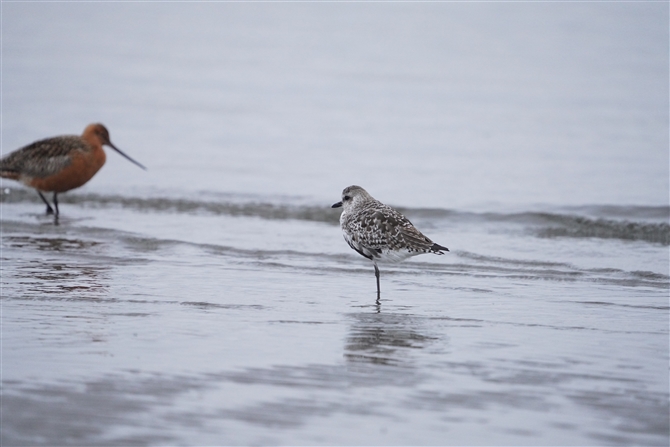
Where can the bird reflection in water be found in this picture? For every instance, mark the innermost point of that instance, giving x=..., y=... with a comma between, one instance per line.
x=385, y=339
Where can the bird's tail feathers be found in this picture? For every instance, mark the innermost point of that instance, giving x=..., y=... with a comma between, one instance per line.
x=438, y=249
x=9, y=174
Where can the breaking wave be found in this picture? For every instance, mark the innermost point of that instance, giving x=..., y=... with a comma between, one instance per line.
x=635, y=223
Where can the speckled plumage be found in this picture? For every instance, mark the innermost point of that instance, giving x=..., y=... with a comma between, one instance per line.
x=379, y=232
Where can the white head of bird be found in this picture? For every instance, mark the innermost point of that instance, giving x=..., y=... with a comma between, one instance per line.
x=353, y=196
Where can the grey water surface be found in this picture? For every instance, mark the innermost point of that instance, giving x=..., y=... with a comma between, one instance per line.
x=212, y=300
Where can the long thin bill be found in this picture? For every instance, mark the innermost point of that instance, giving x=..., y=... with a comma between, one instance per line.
x=130, y=159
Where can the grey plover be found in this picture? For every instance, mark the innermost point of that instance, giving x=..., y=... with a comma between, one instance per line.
x=60, y=164
x=378, y=232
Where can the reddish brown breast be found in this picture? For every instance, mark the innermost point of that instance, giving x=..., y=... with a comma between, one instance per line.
x=83, y=167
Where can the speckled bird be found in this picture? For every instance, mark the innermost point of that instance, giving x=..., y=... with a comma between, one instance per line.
x=60, y=164
x=378, y=232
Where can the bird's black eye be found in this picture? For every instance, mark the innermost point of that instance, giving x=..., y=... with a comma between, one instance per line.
x=347, y=198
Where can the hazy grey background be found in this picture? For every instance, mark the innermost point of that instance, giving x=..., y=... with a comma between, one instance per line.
x=486, y=103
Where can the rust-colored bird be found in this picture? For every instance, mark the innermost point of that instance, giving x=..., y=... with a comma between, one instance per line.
x=59, y=164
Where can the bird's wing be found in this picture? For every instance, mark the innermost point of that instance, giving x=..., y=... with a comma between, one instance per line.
x=382, y=227
x=414, y=238
x=42, y=158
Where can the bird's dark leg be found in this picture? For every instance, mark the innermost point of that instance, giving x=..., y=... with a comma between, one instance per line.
x=377, y=276
x=56, y=205
x=56, y=202
x=49, y=209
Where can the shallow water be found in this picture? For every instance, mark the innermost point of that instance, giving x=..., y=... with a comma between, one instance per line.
x=131, y=323
x=212, y=300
